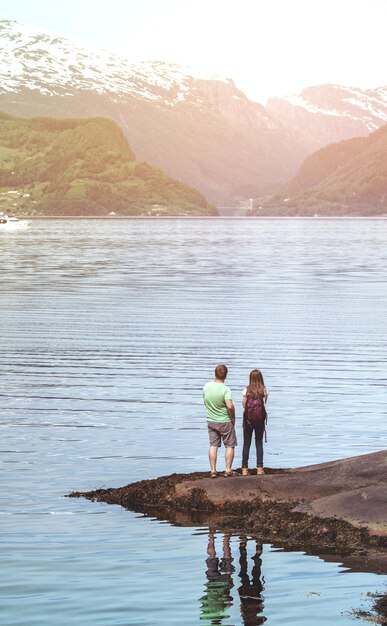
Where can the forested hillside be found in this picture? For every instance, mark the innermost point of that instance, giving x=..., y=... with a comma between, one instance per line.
x=83, y=167
x=349, y=177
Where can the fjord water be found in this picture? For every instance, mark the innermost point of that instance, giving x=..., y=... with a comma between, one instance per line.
x=110, y=328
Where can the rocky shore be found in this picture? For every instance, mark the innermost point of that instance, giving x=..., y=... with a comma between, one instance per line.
x=338, y=507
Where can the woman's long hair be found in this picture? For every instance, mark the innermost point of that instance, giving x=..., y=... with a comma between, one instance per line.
x=256, y=384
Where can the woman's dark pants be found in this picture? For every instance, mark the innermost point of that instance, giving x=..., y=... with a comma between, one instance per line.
x=248, y=431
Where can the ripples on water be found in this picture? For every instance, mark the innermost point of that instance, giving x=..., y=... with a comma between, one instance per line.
x=109, y=331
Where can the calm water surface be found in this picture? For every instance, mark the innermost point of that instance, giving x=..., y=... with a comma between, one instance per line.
x=109, y=331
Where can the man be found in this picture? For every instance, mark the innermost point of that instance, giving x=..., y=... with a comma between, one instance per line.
x=220, y=420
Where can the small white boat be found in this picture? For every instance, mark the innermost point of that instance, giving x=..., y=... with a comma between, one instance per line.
x=7, y=222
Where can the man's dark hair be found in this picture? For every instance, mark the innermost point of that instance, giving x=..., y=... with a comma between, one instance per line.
x=221, y=372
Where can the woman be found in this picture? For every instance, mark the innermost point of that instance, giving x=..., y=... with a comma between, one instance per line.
x=254, y=419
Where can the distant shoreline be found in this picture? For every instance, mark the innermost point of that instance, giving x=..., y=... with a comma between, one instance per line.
x=202, y=217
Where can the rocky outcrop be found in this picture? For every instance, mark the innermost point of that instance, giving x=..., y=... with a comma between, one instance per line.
x=335, y=507
x=354, y=490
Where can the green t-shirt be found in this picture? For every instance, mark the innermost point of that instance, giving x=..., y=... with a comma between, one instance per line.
x=214, y=395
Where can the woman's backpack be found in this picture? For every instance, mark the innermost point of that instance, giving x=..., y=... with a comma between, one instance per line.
x=255, y=410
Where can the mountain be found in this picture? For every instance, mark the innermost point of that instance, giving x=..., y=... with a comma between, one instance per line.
x=326, y=114
x=75, y=167
x=345, y=178
x=197, y=127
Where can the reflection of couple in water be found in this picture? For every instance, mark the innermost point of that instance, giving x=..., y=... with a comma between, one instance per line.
x=217, y=599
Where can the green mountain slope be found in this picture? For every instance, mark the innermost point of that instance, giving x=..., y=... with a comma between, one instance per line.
x=83, y=167
x=349, y=177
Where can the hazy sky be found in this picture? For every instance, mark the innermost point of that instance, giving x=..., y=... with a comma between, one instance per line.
x=269, y=47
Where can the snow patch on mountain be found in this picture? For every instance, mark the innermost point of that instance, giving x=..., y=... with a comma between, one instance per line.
x=368, y=106
x=299, y=101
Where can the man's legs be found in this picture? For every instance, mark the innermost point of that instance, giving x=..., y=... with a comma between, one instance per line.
x=212, y=456
x=229, y=456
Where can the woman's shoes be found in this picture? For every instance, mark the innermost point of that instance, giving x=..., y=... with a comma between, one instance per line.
x=246, y=471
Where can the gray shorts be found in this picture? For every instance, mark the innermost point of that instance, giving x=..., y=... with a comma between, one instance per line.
x=222, y=431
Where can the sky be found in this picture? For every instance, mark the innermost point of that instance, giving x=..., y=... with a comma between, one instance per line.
x=268, y=47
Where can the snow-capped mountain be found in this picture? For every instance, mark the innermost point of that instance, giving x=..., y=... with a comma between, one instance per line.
x=197, y=127
x=331, y=113
x=45, y=61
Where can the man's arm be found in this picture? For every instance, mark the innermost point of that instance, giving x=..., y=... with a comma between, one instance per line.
x=231, y=410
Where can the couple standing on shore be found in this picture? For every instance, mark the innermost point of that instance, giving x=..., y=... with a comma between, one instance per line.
x=221, y=420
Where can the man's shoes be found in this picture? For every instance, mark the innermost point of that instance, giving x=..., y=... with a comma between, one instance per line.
x=245, y=471
x=260, y=471
x=214, y=475
x=229, y=474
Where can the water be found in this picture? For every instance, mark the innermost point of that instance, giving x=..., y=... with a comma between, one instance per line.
x=109, y=331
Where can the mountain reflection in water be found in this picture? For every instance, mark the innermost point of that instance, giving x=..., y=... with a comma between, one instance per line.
x=220, y=573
